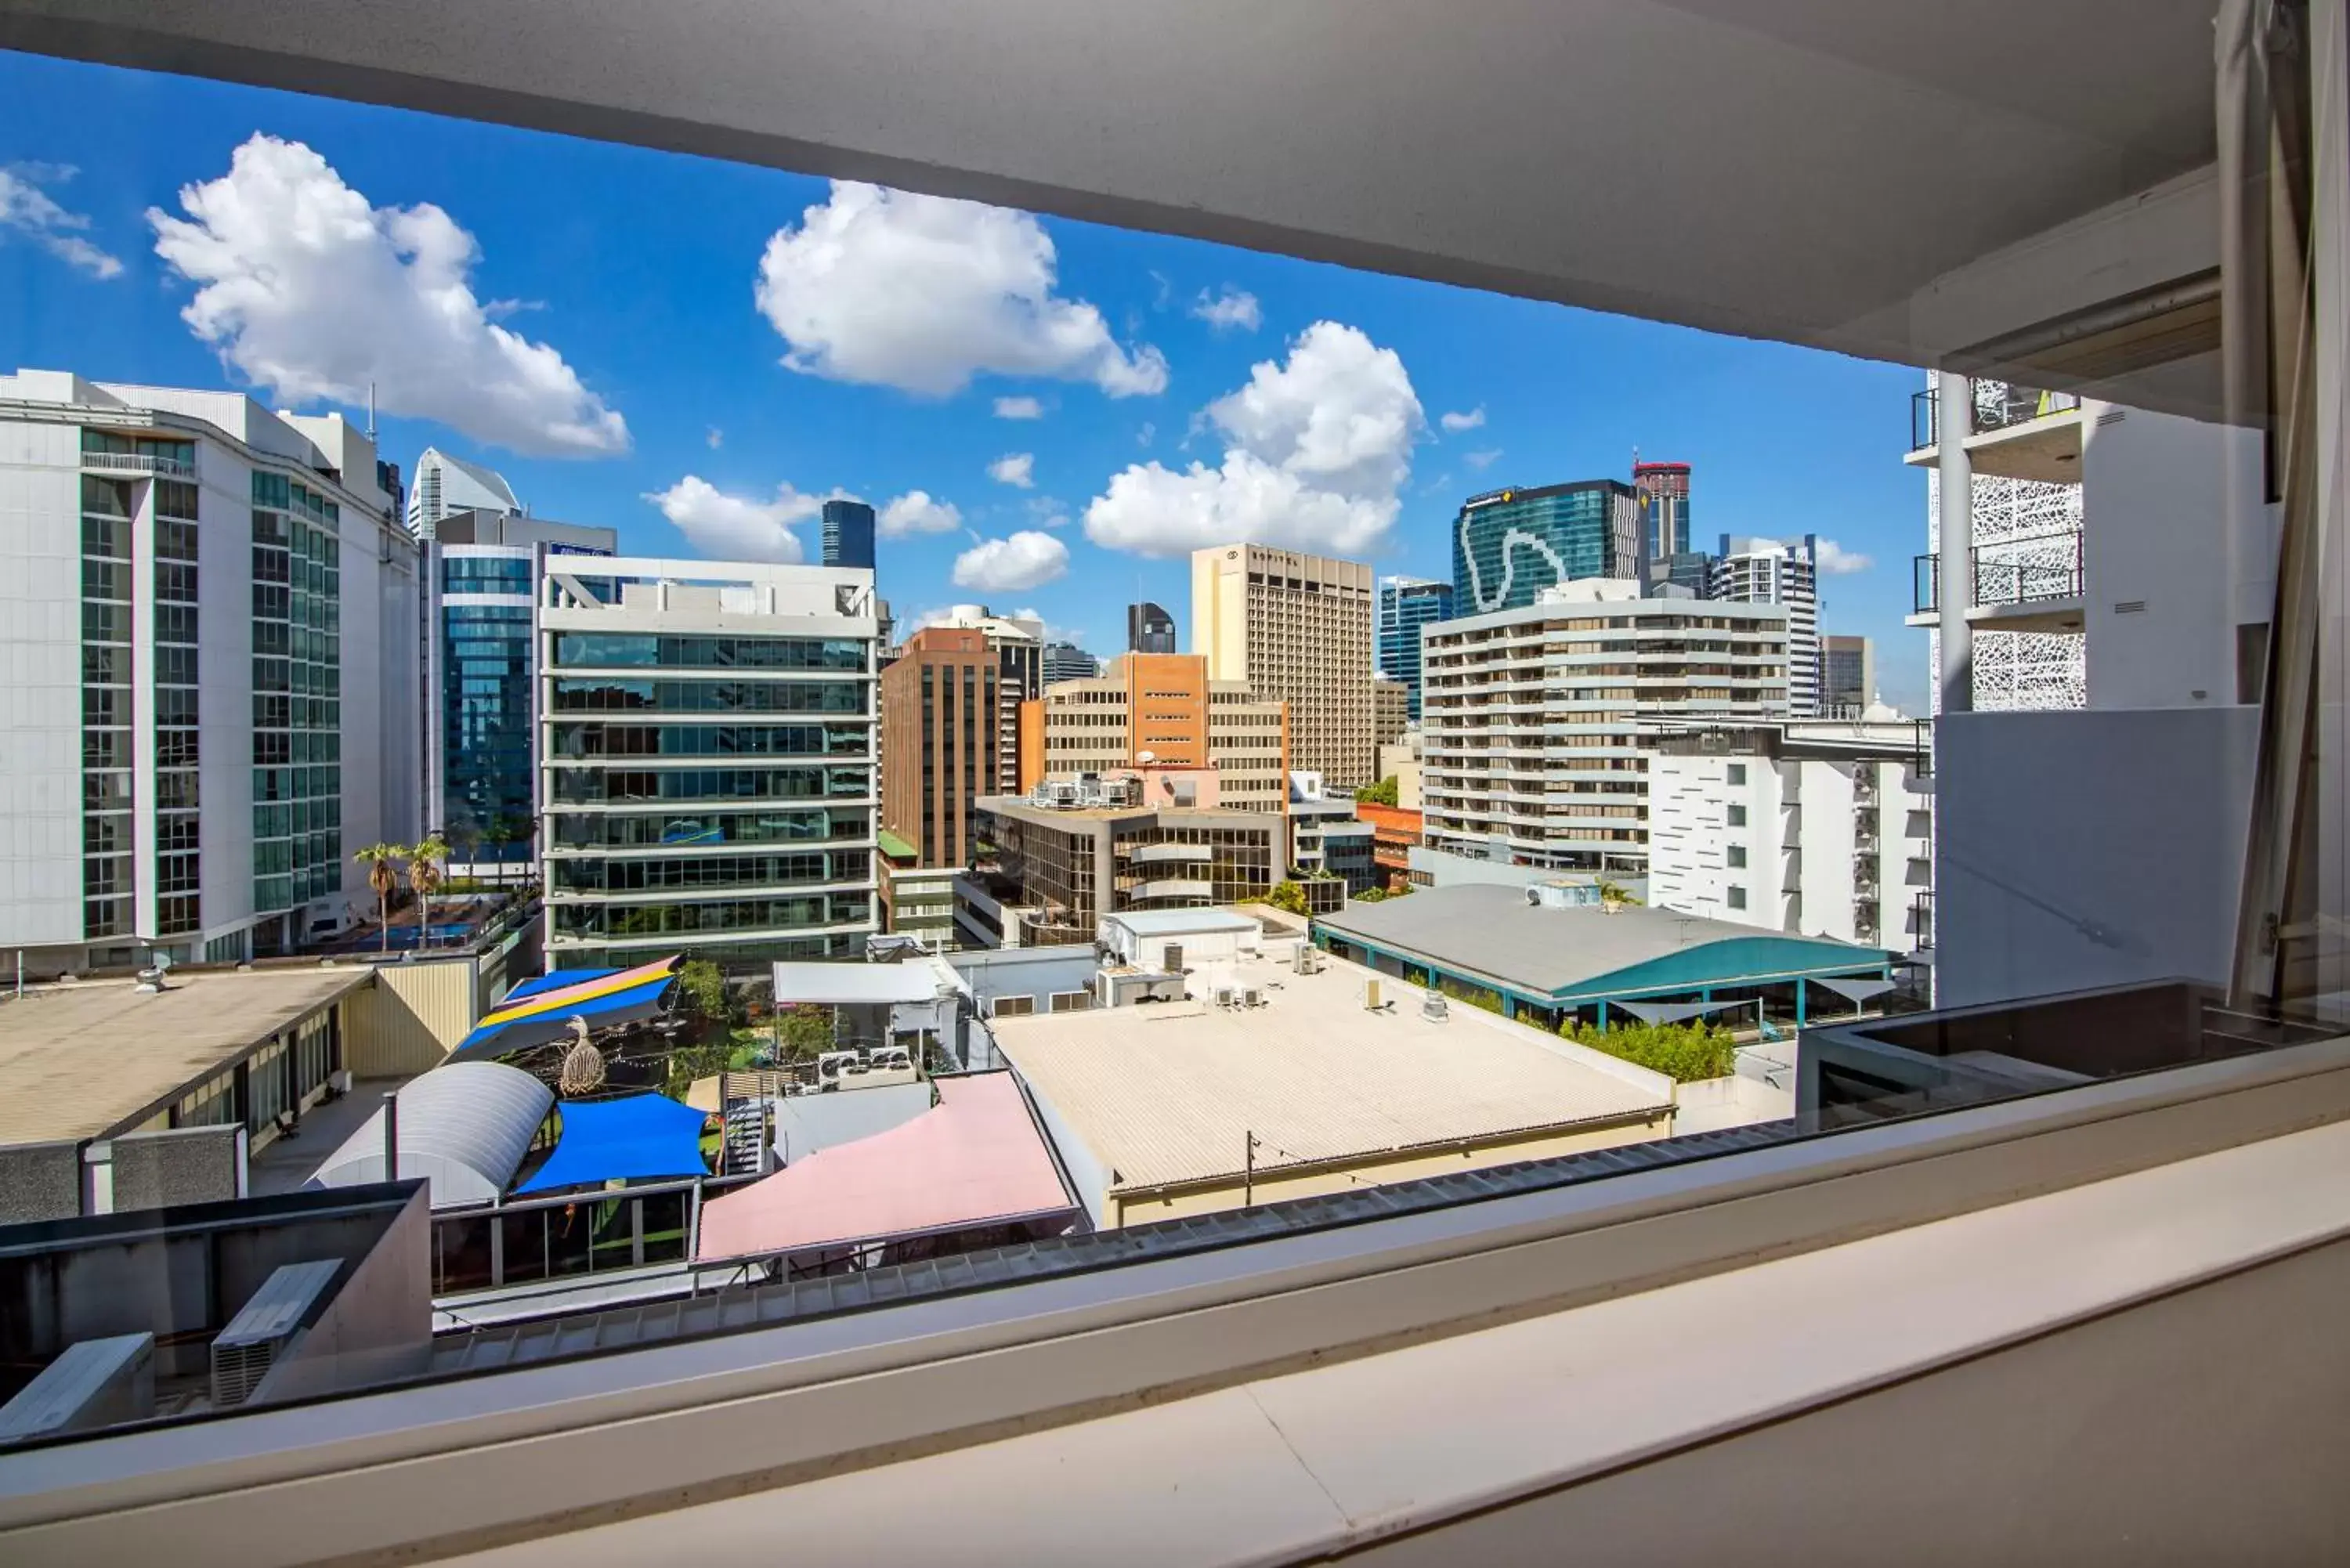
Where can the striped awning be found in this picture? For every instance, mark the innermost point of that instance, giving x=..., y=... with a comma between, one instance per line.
x=536, y=1012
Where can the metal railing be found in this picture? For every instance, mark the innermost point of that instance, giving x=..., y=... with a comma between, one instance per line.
x=140, y=462
x=2007, y=581
x=1986, y=412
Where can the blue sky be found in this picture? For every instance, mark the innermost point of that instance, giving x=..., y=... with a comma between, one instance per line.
x=650, y=323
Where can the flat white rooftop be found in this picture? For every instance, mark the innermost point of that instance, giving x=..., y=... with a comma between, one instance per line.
x=1169, y=1092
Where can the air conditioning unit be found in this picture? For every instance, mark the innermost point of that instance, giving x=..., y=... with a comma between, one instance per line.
x=338, y=1081
x=1252, y=997
x=1434, y=1007
x=96, y=1383
x=267, y=1327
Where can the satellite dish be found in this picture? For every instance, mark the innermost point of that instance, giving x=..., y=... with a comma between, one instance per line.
x=1146, y=756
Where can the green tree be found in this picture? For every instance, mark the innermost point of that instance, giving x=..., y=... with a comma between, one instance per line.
x=802, y=1031
x=428, y=862
x=705, y=985
x=1371, y=896
x=1287, y=895
x=1383, y=792
x=1684, y=1052
x=383, y=862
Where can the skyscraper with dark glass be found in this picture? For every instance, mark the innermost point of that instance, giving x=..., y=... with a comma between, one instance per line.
x=1404, y=604
x=848, y=535
x=1149, y=629
x=1508, y=545
x=481, y=571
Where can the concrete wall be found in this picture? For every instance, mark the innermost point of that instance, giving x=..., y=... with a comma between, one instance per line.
x=2161, y=530
x=182, y=1165
x=1215, y=1198
x=2080, y=849
x=39, y=1181
x=2203, y=1427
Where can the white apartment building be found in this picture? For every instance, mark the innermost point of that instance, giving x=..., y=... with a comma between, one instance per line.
x=208, y=673
x=1817, y=829
x=707, y=761
x=1297, y=629
x=1532, y=719
x=1766, y=572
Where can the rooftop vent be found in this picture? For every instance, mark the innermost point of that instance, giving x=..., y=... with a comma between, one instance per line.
x=266, y=1328
x=1434, y=1008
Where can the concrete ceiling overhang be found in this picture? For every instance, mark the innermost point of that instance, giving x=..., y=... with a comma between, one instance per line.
x=1904, y=181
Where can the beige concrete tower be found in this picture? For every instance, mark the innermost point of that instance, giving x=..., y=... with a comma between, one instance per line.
x=1298, y=628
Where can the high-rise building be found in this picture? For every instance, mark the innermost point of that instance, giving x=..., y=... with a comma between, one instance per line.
x=848, y=535
x=1406, y=604
x=481, y=666
x=1664, y=489
x=1158, y=708
x=210, y=640
x=707, y=756
x=1847, y=676
x=1068, y=661
x=1811, y=827
x=1534, y=718
x=443, y=484
x=1766, y=572
x=939, y=740
x=1149, y=629
x=1391, y=711
x=1508, y=545
x=1297, y=629
x=1018, y=643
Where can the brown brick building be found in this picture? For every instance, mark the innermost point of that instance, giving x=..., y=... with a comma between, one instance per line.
x=939, y=749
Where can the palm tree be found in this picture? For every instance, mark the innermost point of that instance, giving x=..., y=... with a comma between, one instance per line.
x=425, y=861
x=379, y=859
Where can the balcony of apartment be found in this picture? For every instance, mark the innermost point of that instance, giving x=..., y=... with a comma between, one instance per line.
x=1185, y=887
x=1165, y=853
x=157, y=464
x=2031, y=584
x=2012, y=432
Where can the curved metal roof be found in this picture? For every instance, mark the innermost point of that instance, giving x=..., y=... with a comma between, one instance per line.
x=464, y=1126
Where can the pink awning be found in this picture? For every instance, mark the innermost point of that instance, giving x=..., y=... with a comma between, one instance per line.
x=975, y=1158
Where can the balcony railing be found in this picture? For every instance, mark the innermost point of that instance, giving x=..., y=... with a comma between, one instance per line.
x=1990, y=411
x=140, y=462
x=2057, y=576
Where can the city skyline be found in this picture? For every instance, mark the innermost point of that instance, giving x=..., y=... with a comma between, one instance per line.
x=1072, y=408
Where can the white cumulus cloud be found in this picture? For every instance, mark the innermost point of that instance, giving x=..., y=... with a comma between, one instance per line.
x=1457, y=421
x=917, y=513
x=1234, y=307
x=923, y=293
x=1017, y=469
x=1486, y=458
x=313, y=294
x=1026, y=559
x=729, y=527
x=28, y=210
x=1834, y=560
x=1019, y=408
x=1315, y=451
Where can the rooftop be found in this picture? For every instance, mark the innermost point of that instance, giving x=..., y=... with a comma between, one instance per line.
x=1490, y=929
x=1177, y=922
x=825, y=982
x=86, y=1059
x=1169, y=1092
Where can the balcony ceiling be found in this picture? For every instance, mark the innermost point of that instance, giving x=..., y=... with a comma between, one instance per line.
x=1830, y=172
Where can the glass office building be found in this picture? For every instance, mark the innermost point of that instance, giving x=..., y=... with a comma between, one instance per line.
x=1508, y=545
x=848, y=535
x=481, y=766
x=1404, y=604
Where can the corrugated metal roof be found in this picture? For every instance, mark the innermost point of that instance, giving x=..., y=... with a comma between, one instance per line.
x=1171, y=1093
x=81, y=1061
x=1490, y=929
x=464, y=1127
